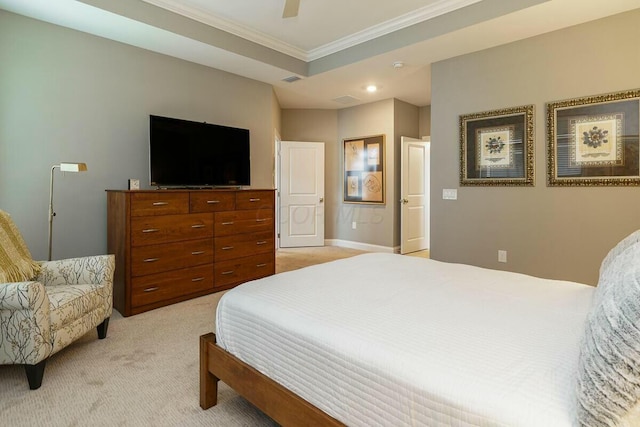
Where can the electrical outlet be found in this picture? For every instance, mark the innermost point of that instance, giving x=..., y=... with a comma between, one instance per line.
x=449, y=194
x=502, y=256
x=354, y=225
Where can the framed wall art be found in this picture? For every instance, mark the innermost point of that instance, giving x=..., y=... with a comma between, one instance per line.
x=593, y=141
x=364, y=170
x=496, y=147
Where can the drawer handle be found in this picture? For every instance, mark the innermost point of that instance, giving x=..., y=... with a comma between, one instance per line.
x=226, y=273
x=197, y=226
x=197, y=279
x=226, y=248
x=212, y=202
x=197, y=252
x=261, y=242
x=151, y=260
x=262, y=219
x=261, y=265
x=228, y=223
x=160, y=203
x=150, y=230
x=254, y=200
x=155, y=288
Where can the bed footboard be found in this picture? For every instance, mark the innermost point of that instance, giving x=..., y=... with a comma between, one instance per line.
x=208, y=382
x=281, y=404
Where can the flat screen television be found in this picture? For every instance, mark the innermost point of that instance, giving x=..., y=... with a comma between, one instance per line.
x=184, y=153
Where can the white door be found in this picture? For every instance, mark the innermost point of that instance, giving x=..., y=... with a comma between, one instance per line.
x=414, y=211
x=301, y=194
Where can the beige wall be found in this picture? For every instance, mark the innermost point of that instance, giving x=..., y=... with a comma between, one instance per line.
x=554, y=232
x=276, y=117
x=375, y=223
x=425, y=121
x=69, y=96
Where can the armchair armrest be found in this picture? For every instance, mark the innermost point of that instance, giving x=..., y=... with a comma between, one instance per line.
x=23, y=296
x=96, y=269
x=25, y=328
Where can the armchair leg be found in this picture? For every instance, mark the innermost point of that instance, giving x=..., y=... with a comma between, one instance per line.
x=102, y=329
x=35, y=374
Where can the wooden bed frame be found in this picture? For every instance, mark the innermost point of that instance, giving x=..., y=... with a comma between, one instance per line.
x=281, y=404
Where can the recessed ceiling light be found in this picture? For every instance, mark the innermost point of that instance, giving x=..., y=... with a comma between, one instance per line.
x=371, y=88
x=398, y=64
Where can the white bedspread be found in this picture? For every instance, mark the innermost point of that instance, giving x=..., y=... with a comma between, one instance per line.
x=384, y=339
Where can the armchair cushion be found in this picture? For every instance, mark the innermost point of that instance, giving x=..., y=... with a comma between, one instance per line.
x=16, y=264
x=69, y=303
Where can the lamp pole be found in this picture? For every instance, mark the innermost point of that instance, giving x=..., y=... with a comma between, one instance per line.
x=51, y=212
x=64, y=167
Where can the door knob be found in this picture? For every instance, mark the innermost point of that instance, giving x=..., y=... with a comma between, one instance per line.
x=404, y=201
x=321, y=199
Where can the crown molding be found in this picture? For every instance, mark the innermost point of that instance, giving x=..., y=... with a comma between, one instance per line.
x=231, y=27
x=419, y=15
x=403, y=21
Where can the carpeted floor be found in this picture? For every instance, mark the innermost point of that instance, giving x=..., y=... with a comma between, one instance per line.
x=144, y=373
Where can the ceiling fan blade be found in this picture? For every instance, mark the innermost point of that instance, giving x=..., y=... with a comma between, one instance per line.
x=291, y=8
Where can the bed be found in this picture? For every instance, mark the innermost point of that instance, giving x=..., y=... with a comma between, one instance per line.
x=390, y=340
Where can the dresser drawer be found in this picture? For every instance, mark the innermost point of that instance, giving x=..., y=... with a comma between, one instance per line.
x=243, y=269
x=255, y=199
x=149, y=230
x=243, y=245
x=212, y=201
x=238, y=222
x=159, y=203
x=163, y=286
x=170, y=256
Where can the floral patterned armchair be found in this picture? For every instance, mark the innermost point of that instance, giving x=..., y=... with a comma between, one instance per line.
x=63, y=302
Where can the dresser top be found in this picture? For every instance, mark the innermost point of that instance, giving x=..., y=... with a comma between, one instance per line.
x=188, y=190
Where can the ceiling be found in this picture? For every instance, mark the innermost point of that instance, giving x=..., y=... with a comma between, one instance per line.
x=335, y=47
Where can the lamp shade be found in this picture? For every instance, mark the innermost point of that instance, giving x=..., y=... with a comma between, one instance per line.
x=73, y=167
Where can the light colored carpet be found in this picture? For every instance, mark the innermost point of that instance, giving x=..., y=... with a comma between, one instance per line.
x=144, y=373
x=420, y=254
x=295, y=258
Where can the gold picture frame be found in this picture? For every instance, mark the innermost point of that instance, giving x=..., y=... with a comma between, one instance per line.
x=593, y=140
x=363, y=170
x=496, y=147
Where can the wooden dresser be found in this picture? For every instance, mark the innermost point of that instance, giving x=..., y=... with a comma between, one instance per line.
x=173, y=245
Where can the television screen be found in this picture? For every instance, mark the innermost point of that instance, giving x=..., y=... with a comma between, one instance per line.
x=184, y=153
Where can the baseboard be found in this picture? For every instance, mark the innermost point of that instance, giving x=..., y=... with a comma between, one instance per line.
x=361, y=246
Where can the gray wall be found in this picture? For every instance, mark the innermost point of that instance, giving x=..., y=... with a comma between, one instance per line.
x=554, y=232
x=69, y=96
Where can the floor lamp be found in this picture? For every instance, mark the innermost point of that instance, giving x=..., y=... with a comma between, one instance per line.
x=64, y=167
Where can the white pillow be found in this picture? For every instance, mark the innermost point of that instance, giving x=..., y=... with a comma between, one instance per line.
x=618, y=249
x=608, y=381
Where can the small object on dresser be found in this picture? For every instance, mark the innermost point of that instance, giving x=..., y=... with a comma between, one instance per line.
x=134, y=184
